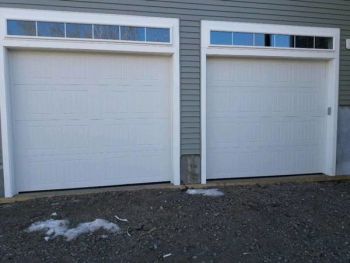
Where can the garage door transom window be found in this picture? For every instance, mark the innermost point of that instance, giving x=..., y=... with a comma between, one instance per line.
x=270, y=40
x=88, y=31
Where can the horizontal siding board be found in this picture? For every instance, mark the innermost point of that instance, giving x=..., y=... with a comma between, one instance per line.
x=190, y=75
x=190, y=98
x=190, y=119
x=322, y=13
x=189, y=92
x=190, y=69
x=195, y=64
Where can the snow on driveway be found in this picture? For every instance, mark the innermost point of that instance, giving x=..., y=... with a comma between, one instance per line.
x=55, y=228
x=205, y=192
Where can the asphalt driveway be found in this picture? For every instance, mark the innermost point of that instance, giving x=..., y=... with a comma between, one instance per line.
x=275, y=223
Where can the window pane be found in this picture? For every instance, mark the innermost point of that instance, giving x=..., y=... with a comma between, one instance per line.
x=220, y=38
x=79, y=30
x=106, y=32
x=304, y=42
x=21, y=28
x=259, y=39
x=283, y=41
x=50, y=29
x=158, y=34
x=243, y=39
x=132, y=33
x=324, y=42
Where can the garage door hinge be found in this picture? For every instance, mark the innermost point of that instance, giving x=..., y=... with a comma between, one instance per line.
x=329, y=110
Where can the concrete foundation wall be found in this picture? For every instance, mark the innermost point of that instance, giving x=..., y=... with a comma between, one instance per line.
x=343, y=150
x=1, y=183
x=190, y=169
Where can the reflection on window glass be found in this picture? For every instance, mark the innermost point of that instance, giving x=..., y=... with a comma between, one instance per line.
x=259, y=40
x=324, y=42
x=158, y=35
x=132, y=33
x=220, y=38
x=283, y=41
x=50, y=29
x=304, y=42
x=79, y=30
x=21, y=28
x=106, y=32
x=243, y=39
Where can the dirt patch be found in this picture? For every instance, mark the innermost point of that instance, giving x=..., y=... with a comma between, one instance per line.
x=274, y=223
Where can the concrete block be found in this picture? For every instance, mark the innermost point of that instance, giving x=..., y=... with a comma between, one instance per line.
x=343, y=142
x=190, y=169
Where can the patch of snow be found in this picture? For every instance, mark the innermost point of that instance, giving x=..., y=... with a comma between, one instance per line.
x=167, y=255
x=205, y=192
x=90, y=227
x=52, y=227
x=56, y=228
x=54, y=214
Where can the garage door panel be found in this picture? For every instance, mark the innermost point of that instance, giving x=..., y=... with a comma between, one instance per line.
x=265, y=100
x=115, y=102
x=265, y=131
x=265, y=117
x=265, y=71
x=262, y=162
x=94, y=120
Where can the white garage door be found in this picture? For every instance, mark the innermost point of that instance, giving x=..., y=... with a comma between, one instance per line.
x=265, y=117
x=82, y=119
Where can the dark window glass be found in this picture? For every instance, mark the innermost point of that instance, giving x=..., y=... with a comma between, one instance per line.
x=132, y=33
x=21, y=28
x=158, y=35
x=259, y=40
x=243, y=39
x=106, y=32
x=220, y=38
x=78, y=30
x=268, y=40
x=50, y=29
x=324, y=42
x=304, y=42
x=283, y=41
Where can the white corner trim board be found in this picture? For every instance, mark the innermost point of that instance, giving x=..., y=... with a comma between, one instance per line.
x=12, y=43
x=228, y=57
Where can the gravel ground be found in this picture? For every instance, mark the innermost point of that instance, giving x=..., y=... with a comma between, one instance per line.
x=275, y=223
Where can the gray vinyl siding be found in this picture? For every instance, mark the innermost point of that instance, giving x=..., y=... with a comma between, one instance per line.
x=323, y=13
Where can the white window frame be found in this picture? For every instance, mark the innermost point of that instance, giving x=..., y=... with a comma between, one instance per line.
x=331, y=55
x=23, y=42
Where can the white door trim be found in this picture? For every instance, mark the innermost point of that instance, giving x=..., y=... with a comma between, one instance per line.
x=12, y=42
x=232, y=51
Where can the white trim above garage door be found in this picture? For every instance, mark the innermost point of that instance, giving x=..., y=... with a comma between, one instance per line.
x=228, y=61
x=123, y=48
